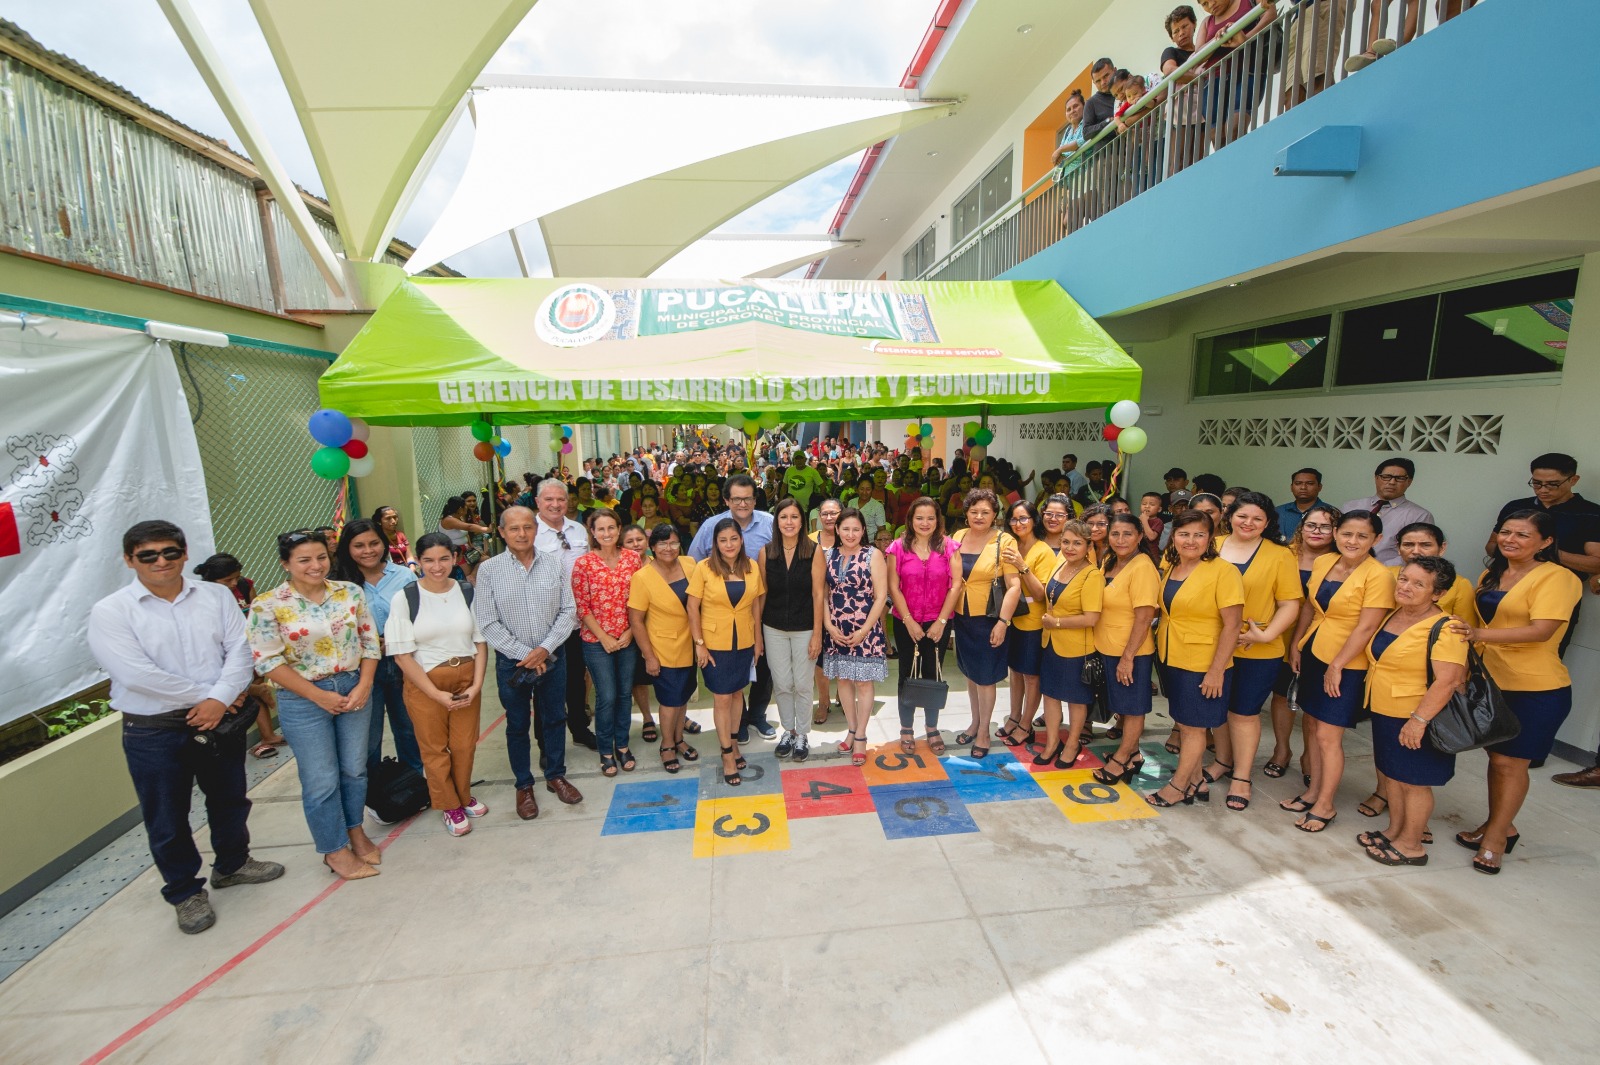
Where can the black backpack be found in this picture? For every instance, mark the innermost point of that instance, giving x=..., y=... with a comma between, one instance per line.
x=395, y=791
x=414, y=596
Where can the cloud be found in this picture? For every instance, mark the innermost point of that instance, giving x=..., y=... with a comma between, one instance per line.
x=824, y=42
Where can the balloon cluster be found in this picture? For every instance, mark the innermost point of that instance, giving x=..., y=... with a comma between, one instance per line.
x=489, y=443
x=344, y=445
x=750, y=423
x=561, y=439
x=918, y=434
x=1120, y=431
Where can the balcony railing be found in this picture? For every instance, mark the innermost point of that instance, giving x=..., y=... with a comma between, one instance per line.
x=1233, y=85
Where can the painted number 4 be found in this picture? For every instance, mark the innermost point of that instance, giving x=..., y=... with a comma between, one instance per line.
x=821, y=789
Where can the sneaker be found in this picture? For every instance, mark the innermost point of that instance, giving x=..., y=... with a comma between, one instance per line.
x=195, y=914
x=765, y=728
x=374, y=815
x=743, y=735
x=802, y=749
x=474, y=808
x=785, y=745
x=456, y=823
x=251, y=872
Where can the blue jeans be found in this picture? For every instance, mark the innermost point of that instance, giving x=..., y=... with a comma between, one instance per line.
x=330, y=753
x=612, y=673
x=165, y=767
x=549, y=697
x=388, y=687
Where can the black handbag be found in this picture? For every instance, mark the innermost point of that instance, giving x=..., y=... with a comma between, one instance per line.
x=233, y=725
x=997, y=587
x=924, y=693
x=1477, y=714
x=1093, y=677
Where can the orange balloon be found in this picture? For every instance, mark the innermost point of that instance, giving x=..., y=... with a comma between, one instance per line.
x=482, y=451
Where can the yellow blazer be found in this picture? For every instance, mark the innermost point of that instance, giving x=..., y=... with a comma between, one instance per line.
x=1369, y=585
x=1137, y=585
x=1397, y=681
x=1458, y=601
x=1084, y=594
x=725, y=626
x=975, y=599
x=1272, y=576
x=665, y=619
x=1188, y=634
x=1041, y=562
x=1547, y=594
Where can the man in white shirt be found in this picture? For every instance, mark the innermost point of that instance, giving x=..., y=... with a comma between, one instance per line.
x=562, y=536
x=176, y=653
x=1390, y=481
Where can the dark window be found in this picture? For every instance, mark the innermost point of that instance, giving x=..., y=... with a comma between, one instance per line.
x=1268, y=358
x=918, y=257
x=1507, y=328
x=1387, y=342
x=977, y=204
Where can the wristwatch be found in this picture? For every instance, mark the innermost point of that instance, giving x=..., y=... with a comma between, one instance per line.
x=699, y=643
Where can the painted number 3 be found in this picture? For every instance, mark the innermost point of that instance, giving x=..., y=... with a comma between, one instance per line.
x=760, y=824
x=1090, y=794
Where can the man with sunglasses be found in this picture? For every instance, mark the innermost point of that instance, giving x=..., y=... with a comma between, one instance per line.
x=176, y=654
x=566, y=538
x=1390, y=481
x=1553, y=478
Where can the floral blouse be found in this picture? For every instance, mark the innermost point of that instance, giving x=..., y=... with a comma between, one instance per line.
x=316, y=640
x=603, y=592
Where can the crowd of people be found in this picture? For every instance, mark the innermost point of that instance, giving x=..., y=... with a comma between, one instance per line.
x=648, y=576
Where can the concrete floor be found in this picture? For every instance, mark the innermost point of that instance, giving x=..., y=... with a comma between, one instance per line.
x=1023, y=936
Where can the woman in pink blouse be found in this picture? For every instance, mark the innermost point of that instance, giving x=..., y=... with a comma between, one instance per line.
x=600, y=581
x=923, y=591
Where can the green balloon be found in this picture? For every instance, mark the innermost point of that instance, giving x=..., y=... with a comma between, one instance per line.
x=1106, y=417
x=330, y=463
x=482, y=431
x=494, y=442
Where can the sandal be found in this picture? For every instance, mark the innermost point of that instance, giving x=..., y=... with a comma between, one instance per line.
x=608, y=765
x=847, y=744
x=935, y=741
x=1367, y=809
x=1296, y=805
x=1238, y=802
x=692, y=727
x=978, y=753
x=1371, y=839
x=264, y=750
x=626, y=760
x=819, y=716
x=671, y=765
x=1274, y=769
x=1321, y=822
x=733, y=780
x=1474, y=840
x=688, y=752
x=1186, y=796
x=649, y=733
x=1172, y=743
x=964, y=738
x=1104, y=775
x=1384, y=853
x=1481, y=860
x=1113, y=733
x=1008, y=734
x=859, y=758
x=1214, y=779
x=908, y=741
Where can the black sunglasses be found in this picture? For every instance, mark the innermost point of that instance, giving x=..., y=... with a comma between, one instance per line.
x=171, y=554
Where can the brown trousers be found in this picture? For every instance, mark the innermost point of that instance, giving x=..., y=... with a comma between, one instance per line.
x=446, y=738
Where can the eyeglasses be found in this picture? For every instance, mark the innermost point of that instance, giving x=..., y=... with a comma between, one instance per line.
x=1548, y=485
x=1309, y=527
x=171, y=554
x=741, y=499
x=1099, y=524
x=1394, y=478
x=1022, y=519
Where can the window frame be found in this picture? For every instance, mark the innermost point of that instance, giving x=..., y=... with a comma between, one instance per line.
x=1007, y=157
x=931, y=236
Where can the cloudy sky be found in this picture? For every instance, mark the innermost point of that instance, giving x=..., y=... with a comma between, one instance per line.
x=821, y=42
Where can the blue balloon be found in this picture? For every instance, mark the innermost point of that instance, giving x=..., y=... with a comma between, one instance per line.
x=330, y=428
x=566, y=432
x=504, y=448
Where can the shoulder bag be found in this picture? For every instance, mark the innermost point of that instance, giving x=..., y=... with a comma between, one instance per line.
x=997, y=586
x=1476, y=714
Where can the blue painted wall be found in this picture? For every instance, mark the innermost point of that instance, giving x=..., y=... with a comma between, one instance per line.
x=1464, y=113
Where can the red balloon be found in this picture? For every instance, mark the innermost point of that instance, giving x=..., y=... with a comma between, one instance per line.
x=356, y=449
x=1110, y=433
x=482, y=451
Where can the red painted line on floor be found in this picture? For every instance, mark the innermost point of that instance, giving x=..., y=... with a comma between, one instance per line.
x=240, y=958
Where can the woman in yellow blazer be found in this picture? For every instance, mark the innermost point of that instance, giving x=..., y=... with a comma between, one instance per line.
x=1271, y=608
x=1526, y=598
x=725, y=624
x=980, y=637
x=1034, y=560
x=1124, y=642
x=1350, y=593
x=1422, y=539
x=1402, y=703
x=1074, y=594
x=1202, y=600
x=658, y=610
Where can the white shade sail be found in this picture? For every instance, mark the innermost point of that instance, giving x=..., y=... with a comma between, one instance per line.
x=621, y=175
x=375, y=84
x=736, y=255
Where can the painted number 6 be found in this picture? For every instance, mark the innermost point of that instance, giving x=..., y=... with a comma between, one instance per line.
x=1091, y=794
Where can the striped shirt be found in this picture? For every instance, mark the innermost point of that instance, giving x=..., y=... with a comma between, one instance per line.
x=519, y=608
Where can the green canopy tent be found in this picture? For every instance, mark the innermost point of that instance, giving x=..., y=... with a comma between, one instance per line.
x=448, y=351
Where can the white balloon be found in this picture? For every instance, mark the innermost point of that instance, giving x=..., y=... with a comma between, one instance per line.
x=362, y=466
x=1124, y=413
x=359, y=430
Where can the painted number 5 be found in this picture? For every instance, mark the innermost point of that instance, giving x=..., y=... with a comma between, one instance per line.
x=901, y=761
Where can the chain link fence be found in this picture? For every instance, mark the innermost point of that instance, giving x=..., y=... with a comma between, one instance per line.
x=249, y=407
